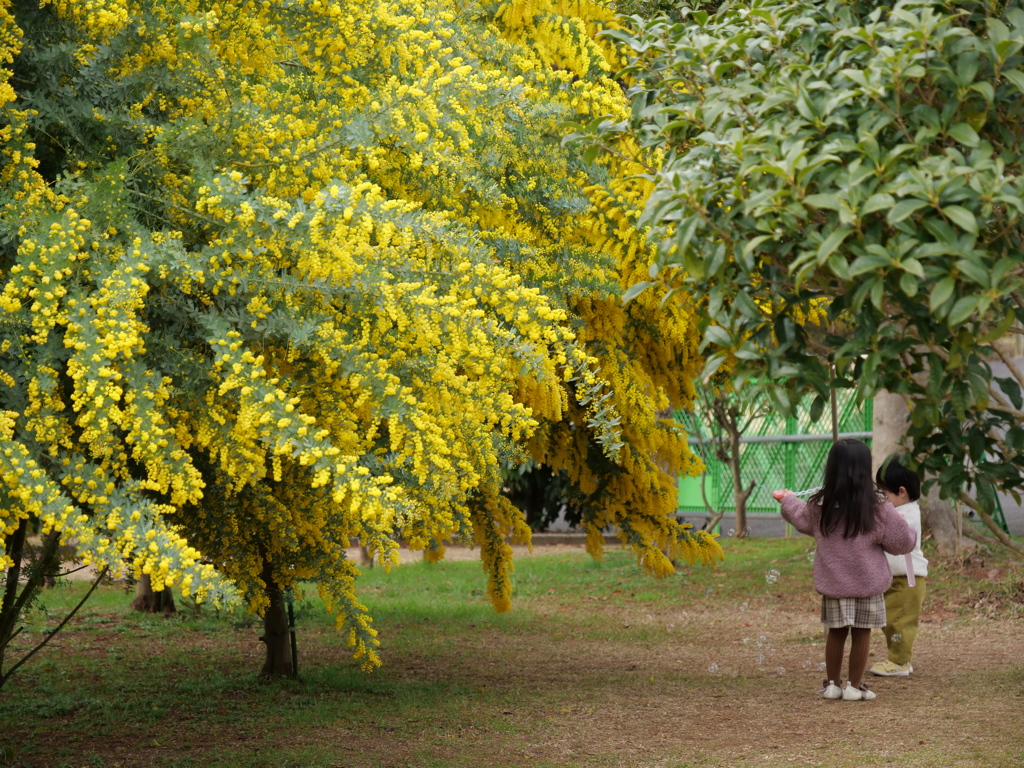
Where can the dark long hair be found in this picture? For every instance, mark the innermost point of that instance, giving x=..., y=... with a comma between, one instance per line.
x=849, y=497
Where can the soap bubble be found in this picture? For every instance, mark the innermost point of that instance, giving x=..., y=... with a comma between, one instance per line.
x=897, y=638
x=743, y=606
x=761, y=640
x=821, y=667
x=782, y=670
x=732, y=531
x=806, y=665
x=746, y=640
x=772, y=576
x=810, y=558
x=707, y=592
x=713, y=668
x=760, y=658
x=747, y=532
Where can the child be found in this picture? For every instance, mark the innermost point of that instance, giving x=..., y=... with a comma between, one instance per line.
x=854, y=527
x=902, y=602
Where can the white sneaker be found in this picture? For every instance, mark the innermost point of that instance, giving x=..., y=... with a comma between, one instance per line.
x=857, y=694
x=831, y=690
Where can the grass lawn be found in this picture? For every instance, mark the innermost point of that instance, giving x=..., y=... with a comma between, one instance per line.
x=596, y=665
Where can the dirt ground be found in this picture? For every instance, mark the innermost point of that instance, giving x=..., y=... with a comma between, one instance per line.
x=741, y=688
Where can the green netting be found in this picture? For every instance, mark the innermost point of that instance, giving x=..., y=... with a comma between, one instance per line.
x=774, y=464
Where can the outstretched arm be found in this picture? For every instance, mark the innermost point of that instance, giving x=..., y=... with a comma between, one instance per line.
x=794, y=511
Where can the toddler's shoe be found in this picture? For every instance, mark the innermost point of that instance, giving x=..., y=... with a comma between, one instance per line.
x=831, y=690
x=857, y=694
x=892, y=669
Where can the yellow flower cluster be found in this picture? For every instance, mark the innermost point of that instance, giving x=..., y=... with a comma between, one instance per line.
x=101, y=18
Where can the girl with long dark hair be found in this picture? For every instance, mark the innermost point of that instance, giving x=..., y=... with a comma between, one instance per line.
x=854, y=526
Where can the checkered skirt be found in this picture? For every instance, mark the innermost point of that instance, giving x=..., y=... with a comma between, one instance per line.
x=861, y=612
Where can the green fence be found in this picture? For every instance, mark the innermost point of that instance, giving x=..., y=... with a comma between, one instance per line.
x=777, y=452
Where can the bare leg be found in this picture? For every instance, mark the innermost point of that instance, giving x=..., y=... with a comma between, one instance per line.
x=835, y=644
x=859, y=648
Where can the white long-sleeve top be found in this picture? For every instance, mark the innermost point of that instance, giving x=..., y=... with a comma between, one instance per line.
x=911, y=513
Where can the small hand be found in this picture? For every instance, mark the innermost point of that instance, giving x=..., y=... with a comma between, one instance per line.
x=780, y=495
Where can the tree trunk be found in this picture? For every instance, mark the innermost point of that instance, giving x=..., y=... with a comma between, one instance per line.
x=275, y=630
x=739, y=494
x=945, y=522
x=889, y=425
x=148, y=601
x=9, y=613
x=365, y=558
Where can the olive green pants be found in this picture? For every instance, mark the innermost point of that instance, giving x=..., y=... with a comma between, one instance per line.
x=902, y=613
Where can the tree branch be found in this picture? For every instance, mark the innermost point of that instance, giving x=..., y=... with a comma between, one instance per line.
x=1013, y=368
x=986, y=518
x=5, y=677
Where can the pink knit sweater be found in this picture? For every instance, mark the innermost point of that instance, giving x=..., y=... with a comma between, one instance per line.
x=854, y=567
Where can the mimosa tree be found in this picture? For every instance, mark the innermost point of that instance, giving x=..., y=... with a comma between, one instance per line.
x=278, y=275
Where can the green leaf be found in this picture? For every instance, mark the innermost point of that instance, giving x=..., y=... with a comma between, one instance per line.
x=962, y=218
x=962, y=309
x=941, y=293
x=743, y=304
x=997, y=32
x=877, y=292
x=817, y=408
x=904, y=208
x=964, y=134
x=754, y=243
x=685, y=234
x=986, y=90
x=714, y=264
x=908, y=284
x=967, y=65
x=1016, y=77
x=986, y=494
x=877, y=202
x=716, y=334
x=869, y=262
x=943, y=232
x=840, y=267
x=976, y=376
x=913, y=266
x=960, y=397
x=975, y=271
x=857, y=76
x=999, y=330
x=1012, y=390
x=635, y=290
x=833, y=241
x=693, y=266
x=831, y=202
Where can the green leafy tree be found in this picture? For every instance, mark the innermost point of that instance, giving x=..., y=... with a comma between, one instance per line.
x=843, y=183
